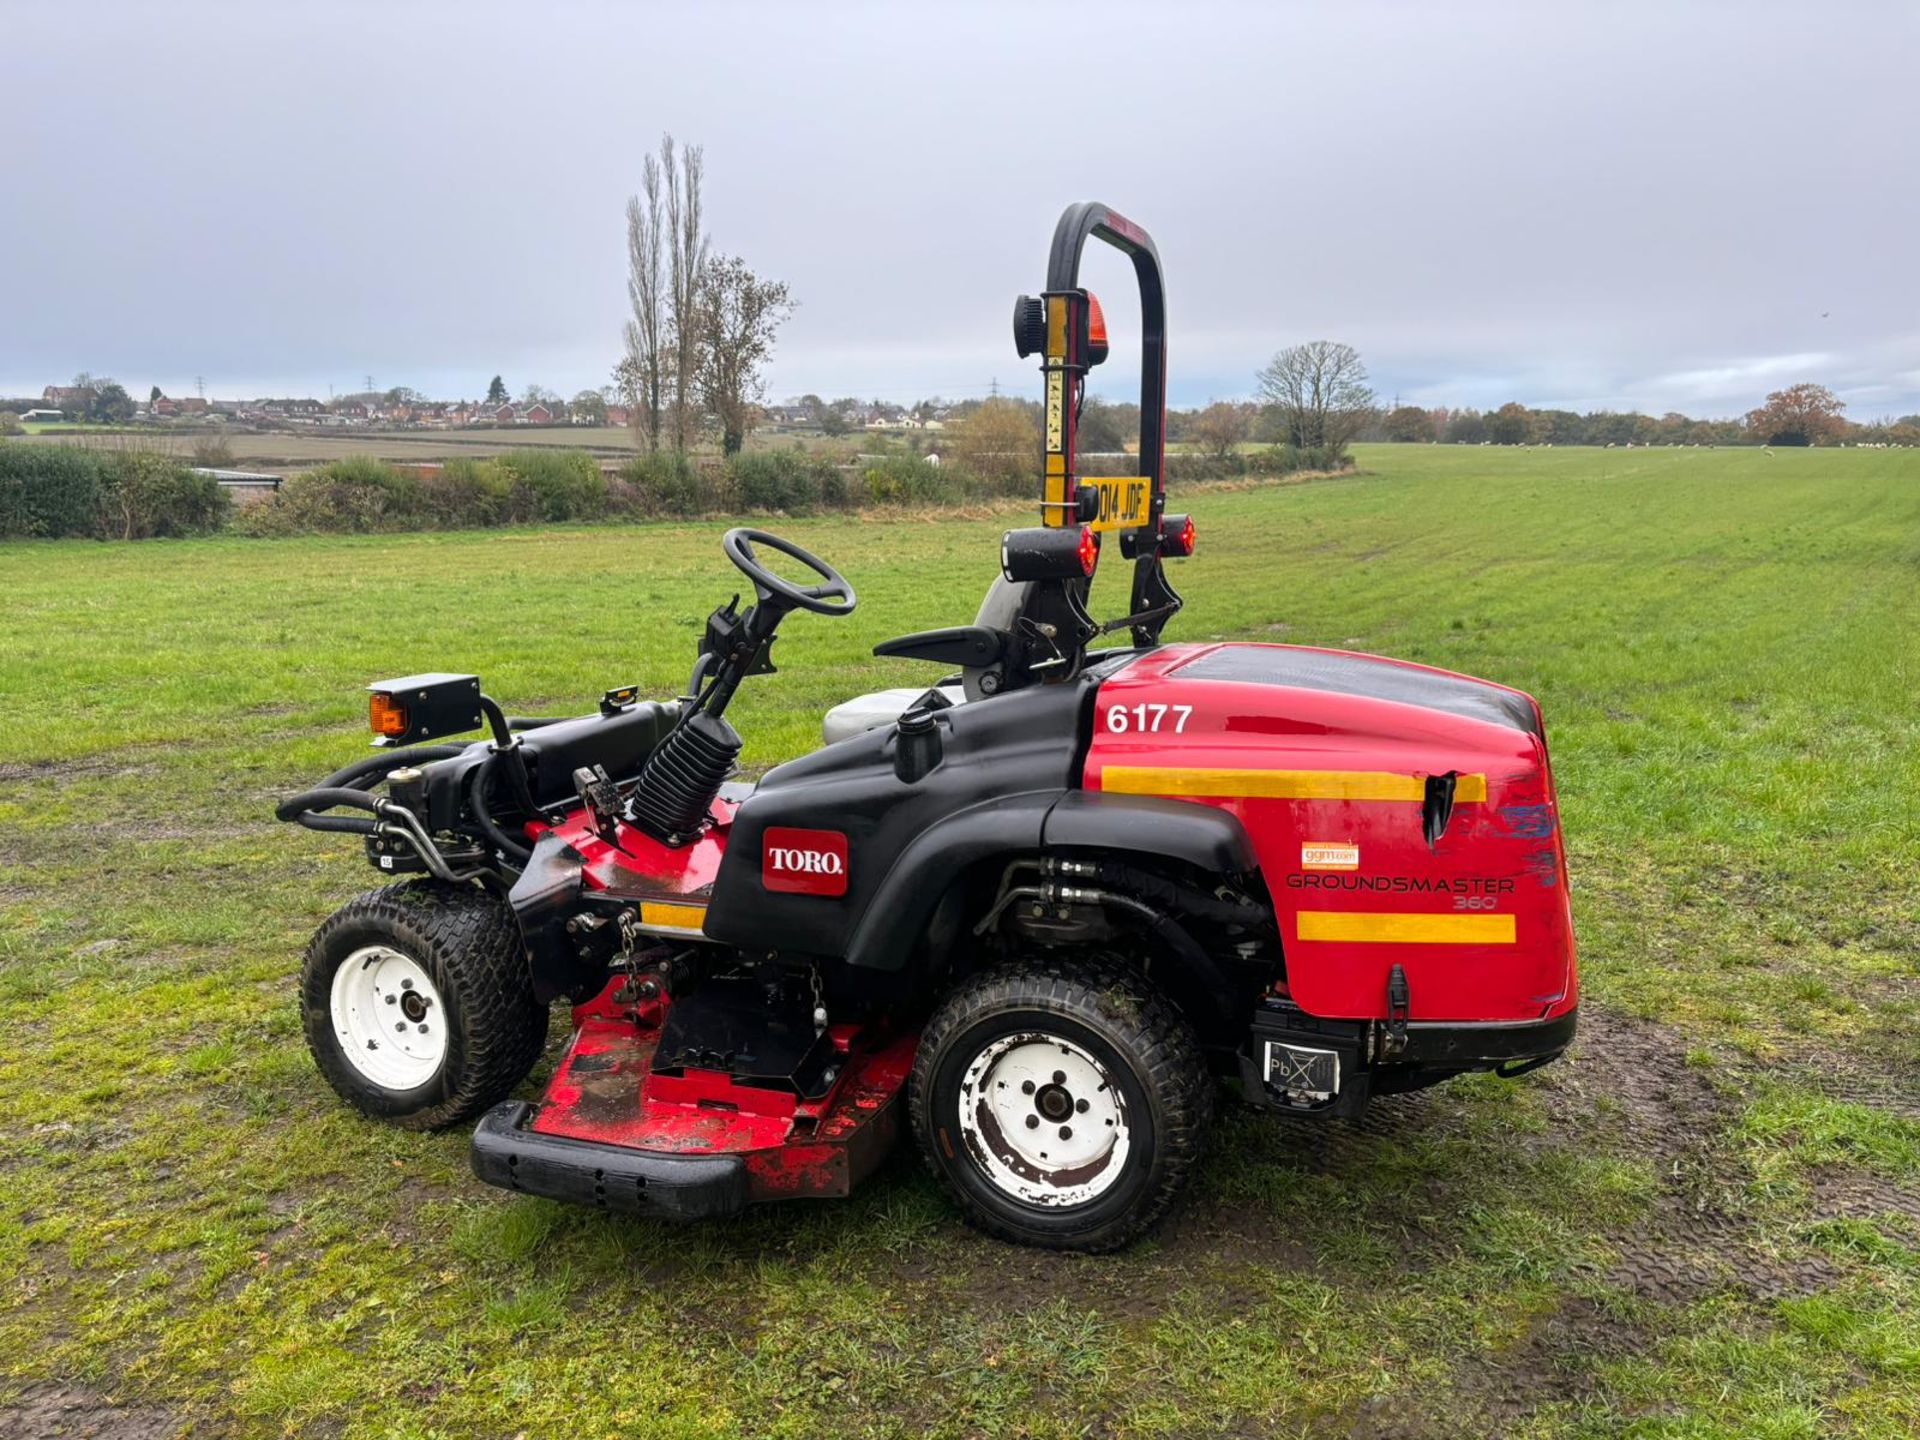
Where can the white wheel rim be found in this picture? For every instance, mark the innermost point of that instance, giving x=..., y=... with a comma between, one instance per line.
x=388, y=1018
x=1044, y=1120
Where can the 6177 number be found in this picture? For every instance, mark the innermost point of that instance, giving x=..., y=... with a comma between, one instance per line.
x=1147, y=718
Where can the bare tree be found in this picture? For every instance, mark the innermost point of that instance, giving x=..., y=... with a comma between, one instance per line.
x=1321, y=391
x=1220, y=427
x=686, y=242
x=739, y=316
x=639, y=373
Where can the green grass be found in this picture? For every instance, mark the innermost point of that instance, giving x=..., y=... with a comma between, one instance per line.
x=1727, y=648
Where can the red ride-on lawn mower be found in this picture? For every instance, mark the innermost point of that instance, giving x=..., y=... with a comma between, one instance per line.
x=1037, y=908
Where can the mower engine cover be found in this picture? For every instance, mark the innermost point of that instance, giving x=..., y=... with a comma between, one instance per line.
x=1404, y=817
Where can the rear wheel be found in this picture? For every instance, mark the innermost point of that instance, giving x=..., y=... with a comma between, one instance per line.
x=418, y=1006
x=1063, y=1104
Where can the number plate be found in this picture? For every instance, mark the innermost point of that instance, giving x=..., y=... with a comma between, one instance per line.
x=1125, y=500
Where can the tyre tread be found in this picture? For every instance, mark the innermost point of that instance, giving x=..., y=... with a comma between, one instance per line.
x=470, y=936
x=1151, y=1026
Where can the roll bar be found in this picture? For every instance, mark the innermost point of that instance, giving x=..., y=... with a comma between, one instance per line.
x=1089, y=220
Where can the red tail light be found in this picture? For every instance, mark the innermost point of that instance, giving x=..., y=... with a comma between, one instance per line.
x=1089, y=548
x=1180, y=542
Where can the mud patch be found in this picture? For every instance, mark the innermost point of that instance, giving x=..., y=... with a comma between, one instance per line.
x=1554, y=1362
x=1854, y=1195
x=1626, y=1085
x=60, y=1412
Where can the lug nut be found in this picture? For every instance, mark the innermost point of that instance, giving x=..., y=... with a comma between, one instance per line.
x=393, y=999
x=406, y=984
x=1059, y=1077
x=1033, y=1122
x=1026, y=1087
x=1081, y=1106
x=401, y=1027
x=1066, y=1132
x=423, y=1029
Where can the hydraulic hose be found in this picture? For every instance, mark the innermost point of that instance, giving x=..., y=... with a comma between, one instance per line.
x=477, y=802
x=376, y=766
x=324, y=797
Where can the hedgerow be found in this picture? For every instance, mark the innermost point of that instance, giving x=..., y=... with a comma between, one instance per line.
x=54, y=490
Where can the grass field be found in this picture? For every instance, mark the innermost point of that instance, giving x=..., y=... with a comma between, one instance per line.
x=1705, y=1223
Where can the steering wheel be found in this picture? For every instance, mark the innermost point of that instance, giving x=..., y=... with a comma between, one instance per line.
x=834, y=596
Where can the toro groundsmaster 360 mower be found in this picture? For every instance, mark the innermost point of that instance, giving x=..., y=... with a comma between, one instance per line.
x=1034, y=910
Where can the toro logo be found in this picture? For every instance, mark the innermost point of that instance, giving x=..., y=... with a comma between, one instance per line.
x=804, y=862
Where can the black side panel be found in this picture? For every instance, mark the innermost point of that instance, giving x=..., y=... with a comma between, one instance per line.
x=1004, y=761
x=1377, y=679
x=1202, y=836
x=546, y=893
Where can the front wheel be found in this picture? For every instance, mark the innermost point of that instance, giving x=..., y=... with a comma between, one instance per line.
x=1062, y=1104
x=418, y=1005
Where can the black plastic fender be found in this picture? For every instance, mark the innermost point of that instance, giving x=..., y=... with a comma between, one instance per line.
x=546, y=893
x=1203, y=836
x=1007, y=825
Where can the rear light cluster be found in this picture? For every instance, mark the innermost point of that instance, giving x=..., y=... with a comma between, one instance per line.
x=1049, y=553
x=1176, y=538
x=1089, y=549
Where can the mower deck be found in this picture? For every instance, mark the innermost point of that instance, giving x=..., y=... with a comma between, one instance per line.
x=694, y=1141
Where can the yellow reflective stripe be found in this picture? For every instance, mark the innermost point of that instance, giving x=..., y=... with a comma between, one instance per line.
x=1378, y=929
x=672, y=917
x=1281, y=784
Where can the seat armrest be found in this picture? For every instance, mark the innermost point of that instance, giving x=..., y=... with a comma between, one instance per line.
x=964, y=645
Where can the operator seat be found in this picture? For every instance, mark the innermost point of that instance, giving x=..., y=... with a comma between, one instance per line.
x=967, y=646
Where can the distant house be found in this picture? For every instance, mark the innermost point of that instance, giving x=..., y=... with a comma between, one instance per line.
x=534, y=414
x=619, y=415
x=164, y=406
x=70, y=397
x=44, y=416
x=348, y=410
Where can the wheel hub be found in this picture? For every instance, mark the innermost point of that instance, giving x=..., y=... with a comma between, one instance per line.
x=388, y=1018
x=1044, y=1120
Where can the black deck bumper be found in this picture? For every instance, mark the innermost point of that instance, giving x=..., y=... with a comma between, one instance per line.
x=648, y=1182
x=1332, y=1067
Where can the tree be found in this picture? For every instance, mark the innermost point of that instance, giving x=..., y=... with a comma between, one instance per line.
x=497, y=391
x=1101, y=430
x=1511, y=424
x=154, y=394
x=686, y=244
x=1322, y=393
x=111, y=405
x=590, y=407
x=739, y=316
x=1219, y=427
x=1409, y=424
x=1000, y=443
x=539, y=395
x=837, y=419
x=1803, y=414
x=640, y=372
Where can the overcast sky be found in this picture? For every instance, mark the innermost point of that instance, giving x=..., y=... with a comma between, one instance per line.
x=1658, y=206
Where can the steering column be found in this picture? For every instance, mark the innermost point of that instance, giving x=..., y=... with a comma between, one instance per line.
x=683, y=775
